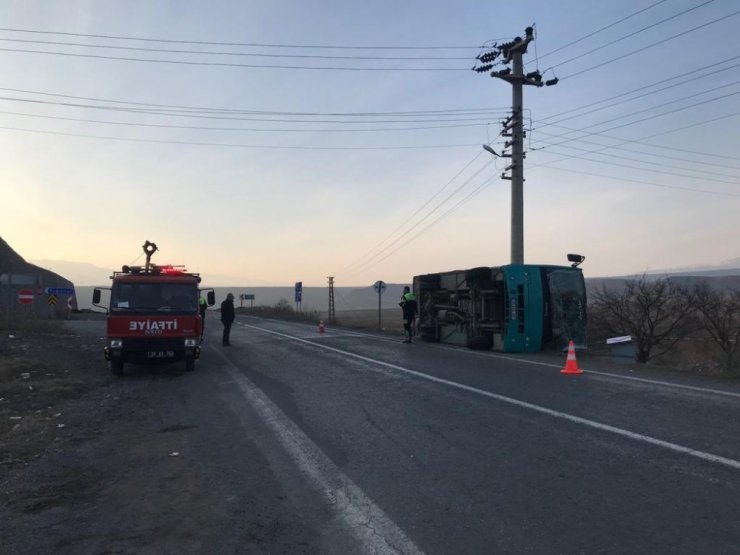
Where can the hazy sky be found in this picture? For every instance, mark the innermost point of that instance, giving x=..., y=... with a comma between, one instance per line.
x=244, y=160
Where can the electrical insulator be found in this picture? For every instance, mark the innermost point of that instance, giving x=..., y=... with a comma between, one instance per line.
x=487, y=57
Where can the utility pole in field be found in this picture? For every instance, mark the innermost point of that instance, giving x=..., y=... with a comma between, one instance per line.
x=332, y=315
x=513, y=128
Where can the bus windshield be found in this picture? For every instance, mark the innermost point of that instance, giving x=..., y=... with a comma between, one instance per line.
x=567, y=307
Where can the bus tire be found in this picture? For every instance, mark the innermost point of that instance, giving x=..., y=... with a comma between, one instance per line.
x=189, y=364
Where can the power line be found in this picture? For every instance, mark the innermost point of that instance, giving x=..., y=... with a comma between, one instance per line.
x=626, y=179
x=237, y=54
x=470, y=195
x=704, y=175
x=234, y=145
x=273, y=130
x=272, y=120
x=181, y=107
x=654, y=84
x=632, y=34
x=714, y=164
x=228, y=64
x=251, y=44
x=642, y=120
x=640, y=141
x=633, y=14
x=372, y=260
x=646, y=47
x=411, y=218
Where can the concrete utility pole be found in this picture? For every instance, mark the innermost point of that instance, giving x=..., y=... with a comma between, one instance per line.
x=332, y=314
x=513, y=52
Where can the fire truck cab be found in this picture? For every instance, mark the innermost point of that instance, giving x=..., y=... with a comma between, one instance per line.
x=153, y=315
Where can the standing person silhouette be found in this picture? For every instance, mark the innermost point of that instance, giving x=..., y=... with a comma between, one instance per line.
x=227, y=317
x=202, y=307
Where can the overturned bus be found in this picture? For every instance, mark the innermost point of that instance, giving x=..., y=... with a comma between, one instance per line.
x=513, y=308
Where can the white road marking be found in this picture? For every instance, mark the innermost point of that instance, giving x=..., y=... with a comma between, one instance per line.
x=371, y=527
x=732, y=463
x=551, y=365
x=620, y=376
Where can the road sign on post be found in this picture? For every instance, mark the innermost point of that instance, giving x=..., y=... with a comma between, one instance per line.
x=25, y=296
x=298, y=294
x=379, y=287
x=246, y=297
x=59, y=291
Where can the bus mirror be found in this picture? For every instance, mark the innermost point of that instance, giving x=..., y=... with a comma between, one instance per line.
x=211, y=298
x=96, y=296
x=576, y=259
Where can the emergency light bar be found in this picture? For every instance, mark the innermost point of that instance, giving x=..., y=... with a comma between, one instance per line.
x=168, y=269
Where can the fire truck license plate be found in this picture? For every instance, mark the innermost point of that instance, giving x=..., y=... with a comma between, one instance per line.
x=160, y=354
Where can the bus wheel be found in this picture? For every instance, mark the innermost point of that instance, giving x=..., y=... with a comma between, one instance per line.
x=116, y=366
x=189, y=364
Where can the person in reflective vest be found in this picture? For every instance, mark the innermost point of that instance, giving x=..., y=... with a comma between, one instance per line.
x=202, y=307
x=409, y=308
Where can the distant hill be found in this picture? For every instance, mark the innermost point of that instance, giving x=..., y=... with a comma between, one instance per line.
x=81, y=273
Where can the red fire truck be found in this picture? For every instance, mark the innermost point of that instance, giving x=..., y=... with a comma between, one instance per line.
x=153, y=315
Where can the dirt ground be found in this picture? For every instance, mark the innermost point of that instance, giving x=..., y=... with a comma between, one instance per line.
x=150, y=463
x=40, y=372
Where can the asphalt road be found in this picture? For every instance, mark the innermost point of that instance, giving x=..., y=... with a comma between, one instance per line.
x=291, y=441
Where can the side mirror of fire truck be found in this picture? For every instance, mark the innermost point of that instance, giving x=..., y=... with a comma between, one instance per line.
x=211, y=298
x=96, y=299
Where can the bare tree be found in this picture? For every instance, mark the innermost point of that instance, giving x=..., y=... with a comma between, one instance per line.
x=719, y=313
x=656, y=313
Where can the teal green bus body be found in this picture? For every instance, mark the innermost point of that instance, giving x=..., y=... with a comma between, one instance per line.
x=516, y=308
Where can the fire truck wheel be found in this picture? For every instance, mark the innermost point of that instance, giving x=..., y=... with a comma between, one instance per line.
x=189, y=364
x=116, y=366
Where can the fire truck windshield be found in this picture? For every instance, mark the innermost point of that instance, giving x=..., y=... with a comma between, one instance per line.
x=140, y=297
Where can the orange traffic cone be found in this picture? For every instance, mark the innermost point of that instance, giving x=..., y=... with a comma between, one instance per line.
x=571, y=365
x=321, y=326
